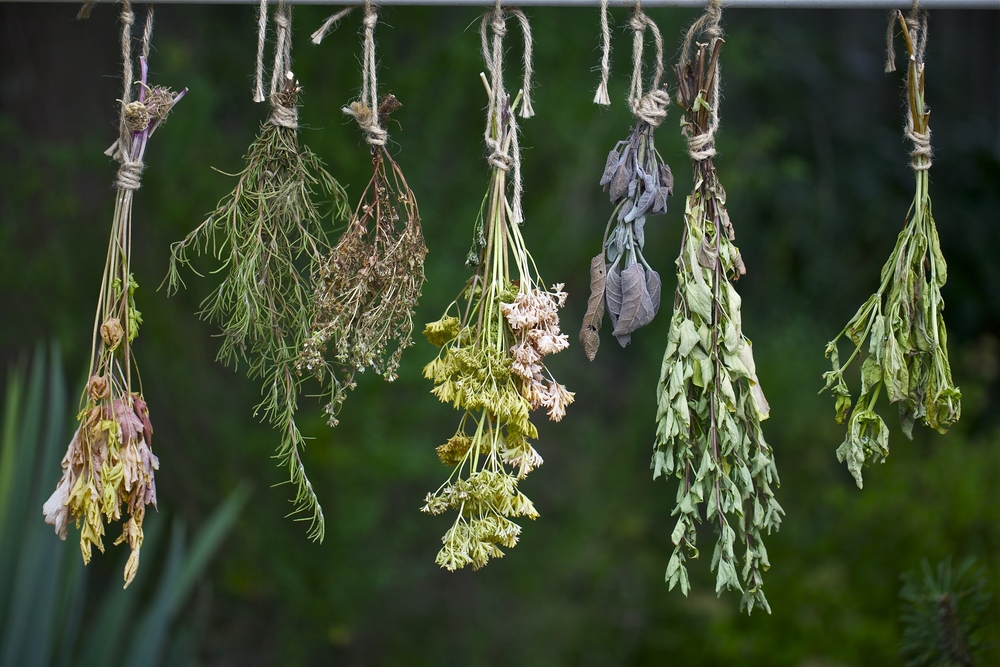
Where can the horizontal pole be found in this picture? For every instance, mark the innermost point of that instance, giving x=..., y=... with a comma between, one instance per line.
x=729, y=4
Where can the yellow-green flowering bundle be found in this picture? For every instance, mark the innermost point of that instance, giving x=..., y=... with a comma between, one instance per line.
x=903, y=321
x=710, y=404
x=109, y=466
x=493, y=340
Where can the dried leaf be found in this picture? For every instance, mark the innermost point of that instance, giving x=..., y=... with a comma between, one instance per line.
x=666, y=178
x=653, y=287
x=609, y=167
x=620, y=182
x=613, y=292
x=590, y=337
x=708, y=255
x=637, y=308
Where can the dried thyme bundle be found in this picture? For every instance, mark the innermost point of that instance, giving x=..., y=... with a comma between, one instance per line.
x=493, y=340
x=270, y=237
x=109, y=461
x=638, y=182
x=710, y=403
x=903, y=321
x=369, y=283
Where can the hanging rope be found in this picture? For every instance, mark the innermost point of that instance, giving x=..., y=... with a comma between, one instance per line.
x=258, y=79
x=651, y=107
x=365, y=110
x=915, y=25
x=701, y=146
x=284, y=112
x=501, y=125
x=134, y=116
x=601, y=96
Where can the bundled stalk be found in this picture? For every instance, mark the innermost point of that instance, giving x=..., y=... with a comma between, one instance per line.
x=270, y=237
x=903, y=320
x=110, y=462
x=369, y=283
x=638, y=182
x=493, y=339
x=710, y=404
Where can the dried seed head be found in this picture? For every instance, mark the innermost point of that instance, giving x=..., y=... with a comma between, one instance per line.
x=97, y=388
x=136, y=116
x=112, y=333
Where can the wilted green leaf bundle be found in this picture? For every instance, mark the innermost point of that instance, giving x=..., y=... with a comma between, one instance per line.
x=109, y=461
x=903, y=321
x=270, y=238
x=710, y=403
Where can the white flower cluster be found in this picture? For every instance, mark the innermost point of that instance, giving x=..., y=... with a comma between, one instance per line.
x=534, y=319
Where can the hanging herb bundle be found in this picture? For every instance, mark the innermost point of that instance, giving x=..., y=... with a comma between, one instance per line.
x=369, y=283
x=109, y=462
x=710, y=403
x=270, y=237
x=493, y=340
x=638, y=182
x=903, y=321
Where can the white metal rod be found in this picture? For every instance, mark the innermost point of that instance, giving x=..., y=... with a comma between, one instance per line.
x=729, y=4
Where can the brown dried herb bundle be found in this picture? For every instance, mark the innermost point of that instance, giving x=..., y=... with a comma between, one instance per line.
x=109, y=461
x=368, y=285
x=638, y=182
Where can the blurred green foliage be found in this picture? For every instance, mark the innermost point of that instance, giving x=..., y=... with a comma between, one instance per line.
x=813, y=161
x=48, y=617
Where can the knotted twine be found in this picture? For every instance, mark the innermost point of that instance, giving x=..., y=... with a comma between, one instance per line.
x=601, y=96
x=651, y=107
x=501, y=125
x=134, y=115
x=282, y=79
x=701, y=146
x=916, y=29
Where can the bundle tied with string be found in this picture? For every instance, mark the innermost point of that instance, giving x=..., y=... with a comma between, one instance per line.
x=492, y=342
x=638, y=181
x=109, y=462
x=903, y=321
x=269, y=236
x=709, y=401
x=368, y=284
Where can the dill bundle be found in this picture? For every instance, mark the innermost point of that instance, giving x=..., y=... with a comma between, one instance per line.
x=638, y=182
x=903, y=321
x=709, y=402
x=493, y=339
x=368, y=285
x=109, y=461
x=270, y=237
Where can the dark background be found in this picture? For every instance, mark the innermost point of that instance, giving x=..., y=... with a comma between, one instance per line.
x=812, y=158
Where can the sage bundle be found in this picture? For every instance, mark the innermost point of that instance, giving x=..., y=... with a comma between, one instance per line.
x=368, y=285
x=638, y=182
x=110, y=462
x=903, y=320
x=493, y=340
x=709, y=401
x=270, y=237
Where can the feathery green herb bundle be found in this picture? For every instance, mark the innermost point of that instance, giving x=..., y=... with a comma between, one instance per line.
x=368, y=285
x=903, y=321
x=493, y=339
x=109, y=460
x=270, y=238
x=710, y=404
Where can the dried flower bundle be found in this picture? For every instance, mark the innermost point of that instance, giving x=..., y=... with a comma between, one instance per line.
x=369, y=283
x=109, y=462
x=493, y=340
x=270, y=237
x=638, y=182
x=710, y=403
x=903, y=321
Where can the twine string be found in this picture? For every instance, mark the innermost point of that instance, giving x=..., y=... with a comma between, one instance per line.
x=601, y=95
x=129, y=176
x=365, y=109
x=701, y=145
x=284, y=112
x=650, y=107
x=258, y=79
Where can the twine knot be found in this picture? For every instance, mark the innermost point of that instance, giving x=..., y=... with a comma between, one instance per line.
x=129, y=175
x=920, y=156
x=499, y=24
x=652, y=107
x=281, y=20
x=367, y=119
x=500, y=160
x=128, y=18
x=370, y=20
x=701, y=146
x=281, y=115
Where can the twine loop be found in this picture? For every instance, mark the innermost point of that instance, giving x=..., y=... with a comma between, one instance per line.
x=920, y=156
x=701, y=145
x=367, y=120
x=648, y=107
x=129, y=175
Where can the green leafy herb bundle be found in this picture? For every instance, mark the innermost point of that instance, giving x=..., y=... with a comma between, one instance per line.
x=710, y=404
x=270, y=238
x=109, y=461
x=368, y=285
x=903, y=321
x=493, y=340
x=638, y=182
